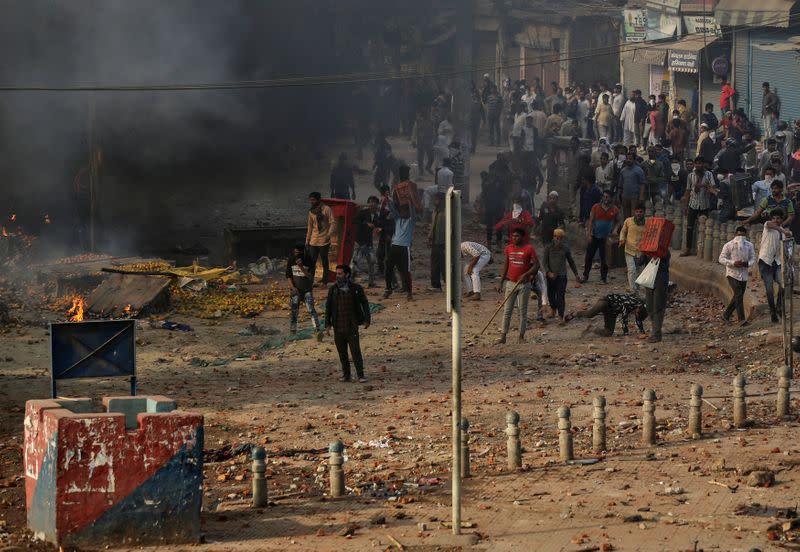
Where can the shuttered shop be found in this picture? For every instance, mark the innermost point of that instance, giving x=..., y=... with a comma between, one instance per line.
x=779, y=68
x=741, y=73
x=636, y=75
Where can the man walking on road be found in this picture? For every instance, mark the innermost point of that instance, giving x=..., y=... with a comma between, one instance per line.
x=319, y=233
x=602, y=223
x=738, y=255
x=347, y=308
x=300, y=280
x=555, y=258
x=520, y=265
x=769, y=260
x=629, y=238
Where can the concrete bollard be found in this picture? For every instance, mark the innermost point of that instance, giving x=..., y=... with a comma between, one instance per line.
x=784, y=381
x=649, y=418
x=565, y=448
x=708, y=240
x=695, y=429
x=700, y=235
x=679, y=238
x=513, y=445
x=336, y=461
x=731, y=232
x=717, y=237
x=259, y=469
x=739, y=401
x=599, y=425
x=465, y=472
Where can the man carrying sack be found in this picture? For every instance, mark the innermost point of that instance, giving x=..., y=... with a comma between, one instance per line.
x=654, y=252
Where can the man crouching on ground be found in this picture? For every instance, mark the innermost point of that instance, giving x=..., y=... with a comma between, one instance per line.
x=347, y=308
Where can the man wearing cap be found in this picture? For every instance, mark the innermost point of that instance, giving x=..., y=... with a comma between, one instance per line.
x=738, y=256
x=555, y=259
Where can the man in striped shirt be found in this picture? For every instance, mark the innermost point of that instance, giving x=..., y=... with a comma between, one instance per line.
x=697, y=198
x=479, y=256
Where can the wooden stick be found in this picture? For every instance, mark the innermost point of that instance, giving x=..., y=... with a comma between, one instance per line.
x=501, y=306
x=731, y=488
x=710, y=404
x=396, y=542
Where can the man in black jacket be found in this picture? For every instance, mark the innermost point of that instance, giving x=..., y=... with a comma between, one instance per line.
x=343, y=185
x=347, y=308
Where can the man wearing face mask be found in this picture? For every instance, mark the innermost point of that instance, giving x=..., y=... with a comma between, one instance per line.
x=696, y=199
x=769, y=260
x=763, y=188
x=516, y=219
x=654, y=173
x=738, y=255
x=677, y=178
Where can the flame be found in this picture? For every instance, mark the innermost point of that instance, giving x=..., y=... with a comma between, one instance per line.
x=76, y=311
x=5, y=232
x=46, y=218
x=128, y=310
x=13, y=217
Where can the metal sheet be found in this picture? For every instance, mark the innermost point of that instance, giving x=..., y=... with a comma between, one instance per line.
x=96, y=349
x=748, y=13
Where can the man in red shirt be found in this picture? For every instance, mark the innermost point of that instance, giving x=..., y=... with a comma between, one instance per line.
x=518, y=218
x=520, y=266
x=726, y=97
x=603, y=222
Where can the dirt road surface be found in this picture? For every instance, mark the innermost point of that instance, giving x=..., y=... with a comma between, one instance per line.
x=682, y=494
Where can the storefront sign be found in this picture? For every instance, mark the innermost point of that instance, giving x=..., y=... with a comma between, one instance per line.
x=702, y=25
x=635, y=25
x=659, y=80
x=682, y=60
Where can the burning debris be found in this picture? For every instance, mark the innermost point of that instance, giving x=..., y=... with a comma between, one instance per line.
x=75, y=312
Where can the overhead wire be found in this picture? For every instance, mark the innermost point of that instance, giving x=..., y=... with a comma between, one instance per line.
x=367, y=77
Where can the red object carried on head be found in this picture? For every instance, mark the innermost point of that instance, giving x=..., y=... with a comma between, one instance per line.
x=656, y=237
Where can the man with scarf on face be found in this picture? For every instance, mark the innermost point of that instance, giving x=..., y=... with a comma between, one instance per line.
x=299, y=278
x=516, y=219
x=319, y=232
x=738, y=255
x=762, y=188
x=697, y=198
x=347, y=308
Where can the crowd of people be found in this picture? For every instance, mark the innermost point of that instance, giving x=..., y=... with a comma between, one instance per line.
x=631, y=156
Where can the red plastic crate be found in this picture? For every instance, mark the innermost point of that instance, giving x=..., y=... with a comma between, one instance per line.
x=656, y=237
x=342, y=245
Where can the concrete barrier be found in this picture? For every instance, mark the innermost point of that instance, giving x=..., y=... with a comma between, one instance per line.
x=93, y=480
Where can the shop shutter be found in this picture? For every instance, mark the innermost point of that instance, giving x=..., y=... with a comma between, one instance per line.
x=741, y=46
x=780, y=69
x=637, y=76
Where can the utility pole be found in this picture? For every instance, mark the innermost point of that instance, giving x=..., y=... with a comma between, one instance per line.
x=462, y=109
x=453, y=274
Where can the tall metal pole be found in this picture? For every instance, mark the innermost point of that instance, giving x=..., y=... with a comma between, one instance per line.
x=453, y=275
x=462, y=93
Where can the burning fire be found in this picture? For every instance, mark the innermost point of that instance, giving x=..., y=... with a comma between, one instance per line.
x=128, y=310
x=75, y=312
x=13, y=217
x=5, y=233
x=46, y=218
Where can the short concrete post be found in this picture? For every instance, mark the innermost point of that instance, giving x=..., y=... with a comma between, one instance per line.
x=700, y=235
x=708, y=241
x=739, y=401
x=464, y=448
x=719, y=236
x=565, y=434
x=599, y=425
x=259, y=469
x=680, y=239
x=731, y=233
x=784, y=380
x=695, y=429
x=513, y=445
x=649, y=418
x=336, y=472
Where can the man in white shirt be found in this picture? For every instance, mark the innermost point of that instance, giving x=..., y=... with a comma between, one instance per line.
x=738, y=255
x=628, y=120
x=479, y=258
x=603, y=173
x=617, y=102
x=769, y=260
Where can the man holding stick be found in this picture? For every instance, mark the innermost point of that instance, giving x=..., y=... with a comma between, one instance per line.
x=520, y=265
